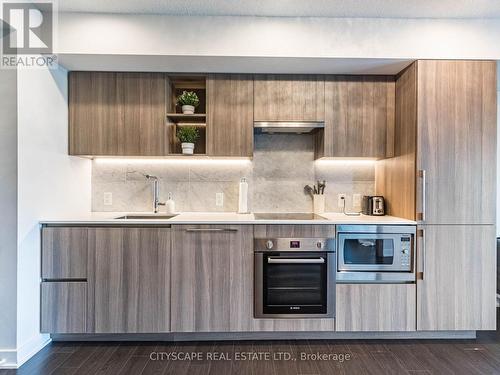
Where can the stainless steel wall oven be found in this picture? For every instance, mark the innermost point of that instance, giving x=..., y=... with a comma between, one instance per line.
x=294, y=277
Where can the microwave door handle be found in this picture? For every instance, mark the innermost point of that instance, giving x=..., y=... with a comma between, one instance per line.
x=276, y=260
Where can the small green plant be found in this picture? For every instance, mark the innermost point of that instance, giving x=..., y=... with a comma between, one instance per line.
x=188, y=134
x=188, y=98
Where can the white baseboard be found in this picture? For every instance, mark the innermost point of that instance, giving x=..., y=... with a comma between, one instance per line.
x=8, y=359
x=15, y=358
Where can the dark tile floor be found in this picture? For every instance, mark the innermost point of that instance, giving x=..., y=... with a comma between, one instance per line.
x=480, y=356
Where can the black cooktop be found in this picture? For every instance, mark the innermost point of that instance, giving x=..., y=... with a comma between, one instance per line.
x=288, y=216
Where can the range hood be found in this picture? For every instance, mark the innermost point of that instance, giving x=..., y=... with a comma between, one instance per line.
x=297, y=127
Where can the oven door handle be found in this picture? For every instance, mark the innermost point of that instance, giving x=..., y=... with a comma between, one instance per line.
x=277, y=260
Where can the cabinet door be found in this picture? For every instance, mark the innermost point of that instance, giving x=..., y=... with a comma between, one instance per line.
x=359, y=116
x=119, y=114
x=289, y=98
x=130, y=280
x=375, y=307
x=206, y=277
x=457, y=291
x=64, y=253
x=143, y=104
x=230, y=115
x=457, y=141
x=63, y=307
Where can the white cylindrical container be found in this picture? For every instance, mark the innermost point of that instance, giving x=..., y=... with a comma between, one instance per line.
x=188, y=109
x=318, y=203
x=187, y=148
x=243, y=197
x=170, y=205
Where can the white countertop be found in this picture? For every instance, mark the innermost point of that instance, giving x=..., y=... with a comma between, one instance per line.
x=107, y=218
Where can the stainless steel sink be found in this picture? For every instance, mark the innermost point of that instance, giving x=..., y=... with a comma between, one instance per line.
x=146, y=217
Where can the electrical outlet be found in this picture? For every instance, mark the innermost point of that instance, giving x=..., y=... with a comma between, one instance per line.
x=341, y=200
x=356, y=201
x=108, y=199
x=219, y=199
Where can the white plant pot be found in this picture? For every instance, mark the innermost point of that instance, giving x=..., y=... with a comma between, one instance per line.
x=188, y=109
x=187, y=148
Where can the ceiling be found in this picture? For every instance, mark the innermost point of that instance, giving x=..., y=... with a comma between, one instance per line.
x=294, y=8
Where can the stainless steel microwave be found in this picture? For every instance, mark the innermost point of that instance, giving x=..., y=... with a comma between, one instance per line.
x=376, y=253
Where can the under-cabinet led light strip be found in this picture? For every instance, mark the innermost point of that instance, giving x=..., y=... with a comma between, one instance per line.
x=210, y=161
x=181, y=160
x=353, y=161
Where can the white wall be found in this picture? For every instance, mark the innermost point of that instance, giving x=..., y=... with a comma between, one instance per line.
x=87, y=33
x=49, y=183
x=8, y=216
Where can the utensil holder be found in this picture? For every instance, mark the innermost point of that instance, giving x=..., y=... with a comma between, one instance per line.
x=318, y=203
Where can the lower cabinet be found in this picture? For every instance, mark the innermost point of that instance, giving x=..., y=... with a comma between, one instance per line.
x=123, y=283
x=207, y=277
x=375, y=307
x=458, y=287
x=199, y=278
x=130, y=280
x=63, y=307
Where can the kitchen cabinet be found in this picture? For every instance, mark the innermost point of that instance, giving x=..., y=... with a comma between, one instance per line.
x=206, y=277
x=63, y=294
x=441, y=175
x=456, y=140
x=63, y=307
x=117, y=114
x=64, y=253
x=130, y=279
x=395, y=177
x=289, y=97
x=457, y=287
x=230, y=115
x=359, y=116
x=375, y=307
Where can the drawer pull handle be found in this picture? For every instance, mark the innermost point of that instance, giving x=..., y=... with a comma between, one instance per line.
x=211, y=230
x=295, y=260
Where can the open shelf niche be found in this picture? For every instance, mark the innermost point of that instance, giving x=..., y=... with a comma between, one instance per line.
x=176, y=84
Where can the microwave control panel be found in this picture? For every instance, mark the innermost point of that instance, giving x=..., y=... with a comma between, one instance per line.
x=405, y=251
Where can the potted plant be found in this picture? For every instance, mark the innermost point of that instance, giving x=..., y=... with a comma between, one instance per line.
x=187, y=135
x=188, y=102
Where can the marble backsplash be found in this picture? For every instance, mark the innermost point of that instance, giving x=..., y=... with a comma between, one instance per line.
x=282, y=165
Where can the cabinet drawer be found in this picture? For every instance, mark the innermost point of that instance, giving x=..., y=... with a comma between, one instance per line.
x=64, y=253
x=376, y=307
x=63, y=307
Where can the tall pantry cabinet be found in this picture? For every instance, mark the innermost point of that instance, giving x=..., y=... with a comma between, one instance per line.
x=443, y=175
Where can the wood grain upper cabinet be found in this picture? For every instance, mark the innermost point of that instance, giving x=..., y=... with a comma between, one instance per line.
x=456, y=141
x=457, y=291
x=129, y=280
x=118, y=114
x=359, y=116
x=289, y=97
x=230, y=115
x=207, y=277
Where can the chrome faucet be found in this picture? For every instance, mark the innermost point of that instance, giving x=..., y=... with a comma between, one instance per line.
x=156, y=193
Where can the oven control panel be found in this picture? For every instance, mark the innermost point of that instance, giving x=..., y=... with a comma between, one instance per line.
x=294, y=244
x=405, y=251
